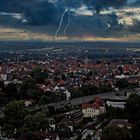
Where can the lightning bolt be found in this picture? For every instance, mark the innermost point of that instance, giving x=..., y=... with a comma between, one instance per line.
x=68, y=23
x=60, y=24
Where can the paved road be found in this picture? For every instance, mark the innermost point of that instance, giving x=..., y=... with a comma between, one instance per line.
x=80, y=100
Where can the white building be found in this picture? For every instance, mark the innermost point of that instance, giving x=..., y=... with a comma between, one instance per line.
x=117, y=102
x=3, y=77
x=95, y=109
x=68, y=94
x=91, y=111
x=120, y=76
x=28, y=103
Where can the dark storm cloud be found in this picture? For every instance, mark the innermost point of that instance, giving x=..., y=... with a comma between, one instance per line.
x=136, y=26
x=43, y=12
x=93, y=4
x=49, y=11
x=70, y=3
x=135, y=3
x=98, y=5
x=35, y=11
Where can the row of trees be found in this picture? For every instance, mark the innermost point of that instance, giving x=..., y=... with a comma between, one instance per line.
x=27, y=91
x=86, y=90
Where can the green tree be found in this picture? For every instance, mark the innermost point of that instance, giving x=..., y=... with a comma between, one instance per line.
x=122, y=83
x=113, y=113
x=14, y=113
x=27, y=134
x=39, y=74
x=24, y=133
x=64, y=131
x=114, y=132
x=2, y=85
x=8, y=131
x=63, y=77
x=25, y=88
x=11, y=91
x=133, y=108
x=36, y=122
x=136, y=131
x=44, y=100
x=32, y=94
x=105, y=88
x=3, y=98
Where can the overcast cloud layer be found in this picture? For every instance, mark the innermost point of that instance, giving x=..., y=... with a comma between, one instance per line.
x=94, y=17
x=48, y=11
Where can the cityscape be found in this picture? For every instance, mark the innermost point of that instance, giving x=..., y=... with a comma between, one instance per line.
x=69, y=70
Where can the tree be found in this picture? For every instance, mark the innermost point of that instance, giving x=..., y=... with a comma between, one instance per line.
x=24, y=133
x=64, y=131
x=1, y=84
x=25, y=88
x=11, y=91
x=28, y=84
x=136, y=131
x=113, y=113
x=63, y=77
x=39, y=75
x=8, y=131
x=122, y=83
x=105, y=88
x=44, y=100
x=114, y=132
x=32, y=94
x=3, y=98
x=14, y=113
x=133, y=108
x=38, y=121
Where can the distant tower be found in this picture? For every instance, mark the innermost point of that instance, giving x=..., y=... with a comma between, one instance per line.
x=86, y=57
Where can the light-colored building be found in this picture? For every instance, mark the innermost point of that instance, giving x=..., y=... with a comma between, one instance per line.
x=116, y=102
x=120, y=76
x=92, y=111
x=68, y=94
x=3, y=77
x=28, y=103
x=95, y=109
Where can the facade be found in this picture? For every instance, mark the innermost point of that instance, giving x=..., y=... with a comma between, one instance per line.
x=93, y=110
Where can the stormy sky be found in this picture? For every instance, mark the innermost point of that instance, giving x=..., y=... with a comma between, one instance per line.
x=48, y=11
x=87, y=17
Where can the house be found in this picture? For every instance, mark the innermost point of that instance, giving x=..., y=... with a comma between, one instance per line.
x=75, y=116
x=67, y=122
x=93, y=109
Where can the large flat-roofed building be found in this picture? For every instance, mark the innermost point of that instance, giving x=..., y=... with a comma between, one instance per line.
x=116, y=102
